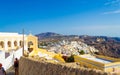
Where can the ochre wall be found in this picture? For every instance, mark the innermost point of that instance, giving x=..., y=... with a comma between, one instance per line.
x=108, y=67
x=89, y=63
x=108, y=58
x=115, y=66
x=28, y=66
x=34, y=40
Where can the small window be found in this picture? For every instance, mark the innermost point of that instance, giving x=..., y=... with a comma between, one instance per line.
x=2, y=44
x=9, y=44
x=15, y=43
x=21, y=43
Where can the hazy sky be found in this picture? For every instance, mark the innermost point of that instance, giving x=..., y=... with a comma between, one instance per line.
x=82, y=17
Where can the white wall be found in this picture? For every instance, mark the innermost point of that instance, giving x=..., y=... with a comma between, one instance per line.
x=8, y=62
x=2, y=56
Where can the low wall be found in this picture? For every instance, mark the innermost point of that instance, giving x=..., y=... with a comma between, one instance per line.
x=108, y=58
x=89, y=63
x=107, y=67
x=29, y=66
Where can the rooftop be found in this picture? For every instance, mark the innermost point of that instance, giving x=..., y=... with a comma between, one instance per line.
x=93, y=58
x=9, y=34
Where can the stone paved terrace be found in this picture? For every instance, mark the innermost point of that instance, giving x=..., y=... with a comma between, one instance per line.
x=10, y=71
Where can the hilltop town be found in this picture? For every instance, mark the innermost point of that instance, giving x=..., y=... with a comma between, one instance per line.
x=69, y=47
x=108, y=46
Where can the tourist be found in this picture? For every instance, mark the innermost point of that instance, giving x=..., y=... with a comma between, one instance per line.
x=16, y=65
x=2, y=71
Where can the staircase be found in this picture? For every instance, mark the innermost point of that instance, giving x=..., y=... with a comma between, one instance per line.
x=9, y=61
x=10, y=71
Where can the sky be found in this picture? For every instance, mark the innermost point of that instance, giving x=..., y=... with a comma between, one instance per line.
x=78, y=17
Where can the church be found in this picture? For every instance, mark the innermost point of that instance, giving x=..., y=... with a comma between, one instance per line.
x=14, y=45
x=14, y=41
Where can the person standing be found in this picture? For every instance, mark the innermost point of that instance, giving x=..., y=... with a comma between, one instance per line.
x=16, y=65
x=2, y=71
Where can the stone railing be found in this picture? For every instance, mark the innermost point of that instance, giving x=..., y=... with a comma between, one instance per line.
x=30, y=66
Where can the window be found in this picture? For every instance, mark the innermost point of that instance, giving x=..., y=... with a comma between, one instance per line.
x=2, y=44
x=30, y=43
x=15, y=43
x=9, y=44
x=21, y=43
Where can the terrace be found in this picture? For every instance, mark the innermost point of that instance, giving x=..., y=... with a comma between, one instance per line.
x=104, y=63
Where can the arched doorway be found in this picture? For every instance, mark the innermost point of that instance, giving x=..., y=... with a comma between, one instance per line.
x=21, y=43
x=32, y=42
x=30, y=46
x=15, y=43
x=9, y=45
x=2, y=44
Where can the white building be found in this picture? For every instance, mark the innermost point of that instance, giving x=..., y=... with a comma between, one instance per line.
x=12, y=43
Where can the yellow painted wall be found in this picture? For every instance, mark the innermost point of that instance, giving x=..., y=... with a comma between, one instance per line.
x=111, y=66
x=108, y=58
x=89, y=63
x=115, y=69
x=34, y=40
x=97, y=65
x=59, y=58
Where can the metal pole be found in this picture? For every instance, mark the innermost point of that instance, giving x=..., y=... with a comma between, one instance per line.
x=23, y=42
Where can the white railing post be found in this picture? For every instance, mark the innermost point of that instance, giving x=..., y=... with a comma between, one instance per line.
x=6, y=45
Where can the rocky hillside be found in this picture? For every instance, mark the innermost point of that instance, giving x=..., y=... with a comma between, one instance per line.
x=47, y=35
x=109, y=46
x=71, y=48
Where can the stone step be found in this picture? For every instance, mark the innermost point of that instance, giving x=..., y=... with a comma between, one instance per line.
x=10, y=71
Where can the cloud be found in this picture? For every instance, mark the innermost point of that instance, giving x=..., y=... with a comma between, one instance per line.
x=113, y=12
x=113, y=2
